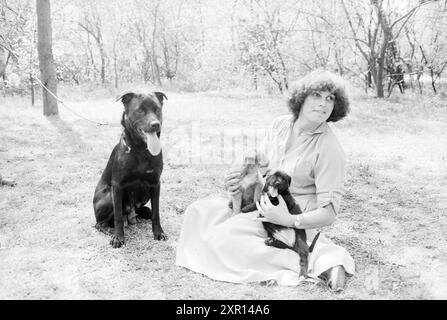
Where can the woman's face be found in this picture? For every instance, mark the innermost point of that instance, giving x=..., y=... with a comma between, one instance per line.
x=317, y=107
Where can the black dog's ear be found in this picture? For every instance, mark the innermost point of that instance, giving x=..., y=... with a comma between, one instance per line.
x=160, y=96
x=125, y=98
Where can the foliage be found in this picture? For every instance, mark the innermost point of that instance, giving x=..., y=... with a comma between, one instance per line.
x=253, y=44
x=18, y=38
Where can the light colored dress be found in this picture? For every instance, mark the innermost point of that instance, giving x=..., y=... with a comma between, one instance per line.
x=231, y=248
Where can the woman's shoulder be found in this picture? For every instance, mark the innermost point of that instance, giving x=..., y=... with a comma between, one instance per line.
x=329, y=143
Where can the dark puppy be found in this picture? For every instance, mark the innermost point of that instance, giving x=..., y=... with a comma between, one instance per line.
x=278, y=184
x=132, y=175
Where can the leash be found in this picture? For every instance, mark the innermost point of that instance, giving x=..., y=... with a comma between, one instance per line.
x=67, y=107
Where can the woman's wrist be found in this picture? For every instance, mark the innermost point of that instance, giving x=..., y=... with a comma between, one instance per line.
x=297, y=222
x=317, y=218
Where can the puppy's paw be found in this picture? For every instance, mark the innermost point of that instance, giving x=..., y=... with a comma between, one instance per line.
x=269, y=241
x=117, y=241
x=132, y=218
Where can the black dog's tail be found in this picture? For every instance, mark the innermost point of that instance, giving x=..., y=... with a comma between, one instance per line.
x=311, y=248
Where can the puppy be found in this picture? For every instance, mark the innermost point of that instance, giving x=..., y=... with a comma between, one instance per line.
x=250, y=187
x=278, y=236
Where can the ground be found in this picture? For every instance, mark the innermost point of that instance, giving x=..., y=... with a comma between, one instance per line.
x=393, y=218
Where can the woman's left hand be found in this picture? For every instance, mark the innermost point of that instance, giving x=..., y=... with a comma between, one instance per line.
x=275, y=214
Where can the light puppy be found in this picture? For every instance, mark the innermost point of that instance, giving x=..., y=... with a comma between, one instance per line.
x=250, y=186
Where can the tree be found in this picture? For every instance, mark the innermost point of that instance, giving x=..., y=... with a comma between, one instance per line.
x=93, y=26
x=15, y=37
x=192, y=45
x=428, y=43
x=261, y=40
x=374, y=31
x=46, y=61
x=2, y=63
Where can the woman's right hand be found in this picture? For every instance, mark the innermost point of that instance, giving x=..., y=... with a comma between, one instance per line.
x=232, y=180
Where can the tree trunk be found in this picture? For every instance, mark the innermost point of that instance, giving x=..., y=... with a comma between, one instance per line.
x=31, y=81
x=368, y=79
x=46, y=61
x=155, y=67
x=432, y=75
x=103, y=67
x=2, y=63
x=283, y=70
x=379, y=80
x=373, y=69
x=255, y=78
x=102, y=53
x=387, y=36
x=115, y=63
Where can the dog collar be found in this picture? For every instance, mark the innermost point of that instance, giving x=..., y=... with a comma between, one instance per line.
x=123, y=140
x=125, y=145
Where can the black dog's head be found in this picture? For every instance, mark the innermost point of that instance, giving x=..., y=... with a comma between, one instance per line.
x=277, y=183
x=143, y=113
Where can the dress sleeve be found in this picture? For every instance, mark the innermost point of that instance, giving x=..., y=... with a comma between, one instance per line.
x=329, y=175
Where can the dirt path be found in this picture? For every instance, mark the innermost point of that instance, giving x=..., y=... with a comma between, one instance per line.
x=393, y=219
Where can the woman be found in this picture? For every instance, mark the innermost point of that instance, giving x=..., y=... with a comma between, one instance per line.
x=231, y=248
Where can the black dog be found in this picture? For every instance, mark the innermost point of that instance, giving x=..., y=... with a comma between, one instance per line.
x=132, y=175
x=278, y=184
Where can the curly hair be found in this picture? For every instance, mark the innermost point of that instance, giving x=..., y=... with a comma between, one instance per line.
x=320, y=80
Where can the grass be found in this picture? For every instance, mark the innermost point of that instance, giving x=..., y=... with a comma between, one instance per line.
x=393, y=219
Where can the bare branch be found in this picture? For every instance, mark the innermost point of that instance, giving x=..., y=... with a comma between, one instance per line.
x=9, y=50
x=407, y=17
x=365, y=55
x=89, y=31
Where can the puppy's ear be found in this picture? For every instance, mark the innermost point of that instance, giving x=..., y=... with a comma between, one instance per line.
x=267, y=173
x=265, y=189
x=160, y=96
x=125, y=98
x=289, y=180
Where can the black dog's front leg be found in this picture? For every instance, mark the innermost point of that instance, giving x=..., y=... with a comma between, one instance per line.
x=117, y=198
x=155, y=203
